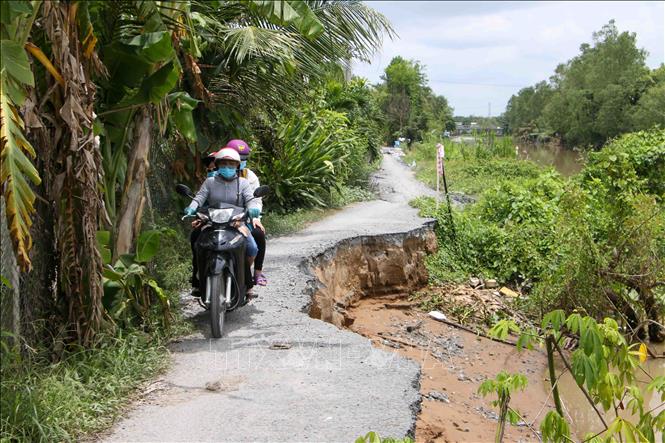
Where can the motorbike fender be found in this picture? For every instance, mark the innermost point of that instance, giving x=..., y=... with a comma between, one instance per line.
x=217, y=264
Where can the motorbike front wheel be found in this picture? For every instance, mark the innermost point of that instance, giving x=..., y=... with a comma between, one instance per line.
x=217, y=297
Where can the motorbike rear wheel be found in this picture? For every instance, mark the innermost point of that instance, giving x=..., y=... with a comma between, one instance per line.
x=217, y=300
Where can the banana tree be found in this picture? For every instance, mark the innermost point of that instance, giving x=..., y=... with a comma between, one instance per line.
x=140, y=46
x=16, y=168
x=58, y=106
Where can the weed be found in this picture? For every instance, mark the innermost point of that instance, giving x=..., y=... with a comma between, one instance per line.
x=81, y=393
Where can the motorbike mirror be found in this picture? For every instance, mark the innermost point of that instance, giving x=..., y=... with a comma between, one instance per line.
x=261, y=191
x=184, y=190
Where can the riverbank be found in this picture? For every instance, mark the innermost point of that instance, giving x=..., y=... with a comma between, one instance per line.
x=469, y=169
x=561, y=243
x=454, y=363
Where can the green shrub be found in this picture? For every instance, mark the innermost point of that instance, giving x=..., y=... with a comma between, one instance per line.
x=80, y=394
x=595, y=241
x=307, y=160
x=506, y=234
x=633, y=163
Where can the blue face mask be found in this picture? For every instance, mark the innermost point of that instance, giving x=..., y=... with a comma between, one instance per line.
x=227, y=172
x=243, y=164
x=212, y=173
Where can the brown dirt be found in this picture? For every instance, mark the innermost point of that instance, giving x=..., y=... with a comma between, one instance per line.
x=454, y=362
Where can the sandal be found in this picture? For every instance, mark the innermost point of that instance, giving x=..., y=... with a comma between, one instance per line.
x=261, y=280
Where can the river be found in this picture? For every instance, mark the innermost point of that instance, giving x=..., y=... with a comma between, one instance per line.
x=566, y=161
x=584, y=418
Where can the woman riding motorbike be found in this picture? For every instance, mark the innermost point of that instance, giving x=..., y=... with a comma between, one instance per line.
x=226, y=187
x=258, y=231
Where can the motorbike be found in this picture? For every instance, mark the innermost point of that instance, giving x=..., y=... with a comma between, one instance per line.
x=220, y=255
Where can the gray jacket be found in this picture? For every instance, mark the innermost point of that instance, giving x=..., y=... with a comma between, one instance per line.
x=218, y=191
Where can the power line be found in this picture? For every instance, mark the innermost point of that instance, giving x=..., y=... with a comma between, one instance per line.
x=476, y=84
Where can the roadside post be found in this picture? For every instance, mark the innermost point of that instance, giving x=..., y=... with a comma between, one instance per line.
x=441, y=171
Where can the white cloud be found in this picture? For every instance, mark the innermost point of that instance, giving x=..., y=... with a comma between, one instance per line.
x=481, y=52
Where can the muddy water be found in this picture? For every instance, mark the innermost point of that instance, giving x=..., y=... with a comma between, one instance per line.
x=584, y=417
x=566, y=161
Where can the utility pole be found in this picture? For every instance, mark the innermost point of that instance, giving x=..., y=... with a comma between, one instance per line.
x=488, y=129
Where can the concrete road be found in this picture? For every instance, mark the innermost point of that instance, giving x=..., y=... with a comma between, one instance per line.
x=329, y=385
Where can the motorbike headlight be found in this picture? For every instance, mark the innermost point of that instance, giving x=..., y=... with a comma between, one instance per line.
x=220, y=215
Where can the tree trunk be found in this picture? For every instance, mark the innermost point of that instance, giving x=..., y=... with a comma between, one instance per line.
x=76, y=167
x=9, y=297
x=128, y=223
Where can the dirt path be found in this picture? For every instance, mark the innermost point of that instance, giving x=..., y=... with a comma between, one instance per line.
x=328, y=385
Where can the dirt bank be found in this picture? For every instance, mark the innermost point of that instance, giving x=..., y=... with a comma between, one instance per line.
x=360, y=284
x=368, y=266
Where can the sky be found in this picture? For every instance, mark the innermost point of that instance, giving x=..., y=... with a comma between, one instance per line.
x=478, y=54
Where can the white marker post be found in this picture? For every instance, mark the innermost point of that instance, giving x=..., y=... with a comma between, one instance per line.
x=440, y=154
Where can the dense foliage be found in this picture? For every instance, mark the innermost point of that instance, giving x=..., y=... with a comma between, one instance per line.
x=411, y=108
x=595, y=241
x=140, y=81
x=308, y=155
x=603, y=92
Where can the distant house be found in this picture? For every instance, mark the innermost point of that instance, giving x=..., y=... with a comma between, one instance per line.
x=473, y=127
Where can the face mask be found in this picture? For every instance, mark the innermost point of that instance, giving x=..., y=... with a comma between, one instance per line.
x=243, y=164
x=227, y=172
x=212, y=173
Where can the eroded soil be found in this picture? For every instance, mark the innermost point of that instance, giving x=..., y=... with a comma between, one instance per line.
x=454, y=364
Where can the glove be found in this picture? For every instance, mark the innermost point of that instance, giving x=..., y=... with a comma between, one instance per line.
x=254, y=212
x=190, y=211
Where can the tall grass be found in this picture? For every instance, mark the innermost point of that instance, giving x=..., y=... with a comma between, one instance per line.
x=472, y=165
x=48, y=394
x=81, y=393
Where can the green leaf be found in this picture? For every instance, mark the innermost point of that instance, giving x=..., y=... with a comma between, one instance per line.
x=154, y=88
x=513, y=417
x=182, y=106
x=308, y=23
x=555, y=319
x=584, y=369
x=158, y=290
x=125, y=260
x=658, y=385
x=104, y=238
x=147, y=245
x=14, y=60
x=574, y=323
x=502, y=328
x=5, y=282
x=12, y=9
x=104, y=242
x=154, y=46
x=111, y=274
